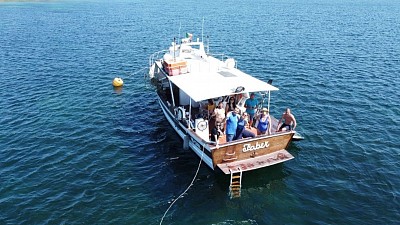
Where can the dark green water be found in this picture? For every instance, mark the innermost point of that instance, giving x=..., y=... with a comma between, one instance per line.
x=73, y=150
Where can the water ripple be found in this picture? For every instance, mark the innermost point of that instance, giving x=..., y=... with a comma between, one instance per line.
x=74, y=150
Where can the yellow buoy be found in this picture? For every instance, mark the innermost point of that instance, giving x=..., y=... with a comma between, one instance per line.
x=118, y=82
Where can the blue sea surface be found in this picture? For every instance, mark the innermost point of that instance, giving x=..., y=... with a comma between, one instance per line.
x=75, y=150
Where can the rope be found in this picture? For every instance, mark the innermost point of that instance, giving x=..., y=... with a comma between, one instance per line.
x=146, y=67
x=190, y=185
x=133, y=73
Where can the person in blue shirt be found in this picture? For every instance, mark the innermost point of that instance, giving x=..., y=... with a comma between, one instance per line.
x=231, y=125
x=251, y=105
x=241, y=131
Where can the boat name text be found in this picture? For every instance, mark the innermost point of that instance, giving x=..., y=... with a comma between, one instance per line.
x=249, y=147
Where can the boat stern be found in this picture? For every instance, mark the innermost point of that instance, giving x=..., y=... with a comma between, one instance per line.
x=253, y=153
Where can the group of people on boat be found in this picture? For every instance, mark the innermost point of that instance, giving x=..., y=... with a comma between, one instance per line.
x=235, y=125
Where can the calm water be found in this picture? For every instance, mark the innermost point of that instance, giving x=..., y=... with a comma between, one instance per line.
x=73, y=150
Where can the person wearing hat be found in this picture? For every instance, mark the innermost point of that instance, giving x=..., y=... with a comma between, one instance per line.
x=264, y=122
x=231, y=124
x=251, y=105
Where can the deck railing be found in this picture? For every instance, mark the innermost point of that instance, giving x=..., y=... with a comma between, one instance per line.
x=156, y=56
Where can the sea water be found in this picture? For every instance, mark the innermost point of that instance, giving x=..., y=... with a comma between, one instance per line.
x=74, y=150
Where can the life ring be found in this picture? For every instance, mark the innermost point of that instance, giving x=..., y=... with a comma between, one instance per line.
x=202, y=125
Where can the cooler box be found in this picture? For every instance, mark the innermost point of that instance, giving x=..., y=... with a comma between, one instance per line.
x=174, y=68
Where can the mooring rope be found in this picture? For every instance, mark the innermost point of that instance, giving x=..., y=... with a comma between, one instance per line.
x=135, y=72
x=190, y=185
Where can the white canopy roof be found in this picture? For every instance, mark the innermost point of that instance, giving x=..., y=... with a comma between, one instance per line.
x=206, y=85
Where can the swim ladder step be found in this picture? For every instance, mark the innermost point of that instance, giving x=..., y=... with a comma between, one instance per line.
x=236, y=183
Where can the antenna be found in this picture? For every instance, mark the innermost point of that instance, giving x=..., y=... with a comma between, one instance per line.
x=174, y=49
x=180, y=24
x=208, y=44
x=202, y=29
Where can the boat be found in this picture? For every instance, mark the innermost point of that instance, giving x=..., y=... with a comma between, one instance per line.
x=185, y=76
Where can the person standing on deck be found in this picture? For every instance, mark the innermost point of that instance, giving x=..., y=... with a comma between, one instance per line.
x=219, y=113
x=210, y=114
x=231, y=125
x=231, y=105
x=216, y=133
x=210, y=108
x=288, y=120
x=241, y=131
x=264, y=123
x=251, y=105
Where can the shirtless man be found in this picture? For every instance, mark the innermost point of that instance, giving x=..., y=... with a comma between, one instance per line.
x=288, y=120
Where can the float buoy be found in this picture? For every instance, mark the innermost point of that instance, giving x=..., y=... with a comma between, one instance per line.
x=118, y=82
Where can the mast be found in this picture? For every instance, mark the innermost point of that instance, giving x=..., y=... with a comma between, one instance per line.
x=174, y=49
x=180, y=24
x=208, y=44
x=202, y=28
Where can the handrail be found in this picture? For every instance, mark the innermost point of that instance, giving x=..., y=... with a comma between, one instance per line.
x=153, y=57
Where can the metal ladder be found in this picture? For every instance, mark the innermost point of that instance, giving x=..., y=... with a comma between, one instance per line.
x=235, y=188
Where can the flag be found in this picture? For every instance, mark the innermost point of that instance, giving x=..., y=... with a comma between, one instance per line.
x=189, y=35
